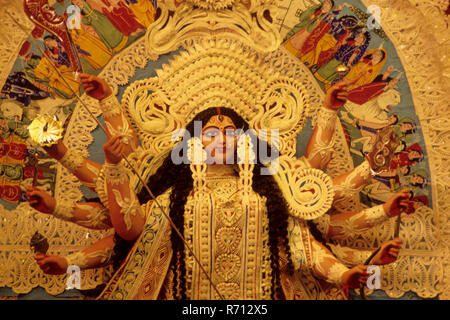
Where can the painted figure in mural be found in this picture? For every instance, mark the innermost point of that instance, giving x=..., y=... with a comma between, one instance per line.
x=32, y=61
x=349, y=53
x=18, y=87
x=405, y=129
x=55, y=51
x=408, y=157
x=110, y=36
x=418, y=179
x=319, y=32
x=13, y=150
x=281, y=263
x=323, y=43
x=45, y=71
x=367, y=92
x=362, y=122
x=44, y=16
x=144, y=10
x=399, y=173
x=308, y=21
x=94, y=54
x=366, y=70
x=122, y=18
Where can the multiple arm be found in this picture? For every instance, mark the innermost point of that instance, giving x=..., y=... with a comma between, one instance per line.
x=318, y=150
x=320, y=145
x=92, y=215
x=126, y=213
x=84, y=169
x=96, y=255
x=128, y=219
x=325, y=265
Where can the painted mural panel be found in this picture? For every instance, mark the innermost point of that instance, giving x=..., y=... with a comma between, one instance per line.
x=69, y=38
x=343, y=42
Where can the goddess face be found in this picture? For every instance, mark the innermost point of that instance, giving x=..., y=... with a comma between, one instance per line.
x=414, y=155
x=417, y=179
x=326, y=6
x=406, y=126
x=377, y=57
x=219, y=138
x=360, y=39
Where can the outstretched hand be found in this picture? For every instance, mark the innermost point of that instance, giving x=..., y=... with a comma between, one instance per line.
x=95, y=87
x=40, y=200
x=388, y=252
x=114, y=149
x=336, y=95
x=354, y=277
x=53, y=265
x=399, y=202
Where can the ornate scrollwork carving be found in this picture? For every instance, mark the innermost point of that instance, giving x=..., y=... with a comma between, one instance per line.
x=309, y=192
x=249, y=22
x=215, y=73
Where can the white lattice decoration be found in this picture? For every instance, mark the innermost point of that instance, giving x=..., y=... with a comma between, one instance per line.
x=181, y=21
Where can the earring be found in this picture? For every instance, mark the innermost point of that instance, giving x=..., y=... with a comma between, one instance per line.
x=246, y=164
x=197, y=159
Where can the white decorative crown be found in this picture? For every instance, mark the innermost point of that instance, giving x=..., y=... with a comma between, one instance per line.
x=215, y=73
x=226, y=73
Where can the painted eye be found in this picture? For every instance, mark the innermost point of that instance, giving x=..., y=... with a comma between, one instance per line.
x=231, y=133
x=211, y=133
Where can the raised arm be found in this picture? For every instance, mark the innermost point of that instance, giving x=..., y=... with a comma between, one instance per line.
x=348, y=224
x=348, y=185
x=320, y=145
x=126, y=214
x=92, y=215
x=116, y=124
x=97, y=255
x=84, y=169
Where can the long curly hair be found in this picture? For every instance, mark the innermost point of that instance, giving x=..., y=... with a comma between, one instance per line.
x=179, y=178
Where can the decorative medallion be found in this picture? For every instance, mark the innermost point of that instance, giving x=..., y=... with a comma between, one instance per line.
x=229, y=291
x=228, y=238
x=227, y=266
x=228, y=212
x=308, y=192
